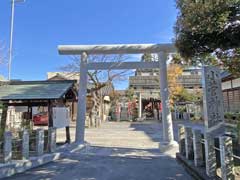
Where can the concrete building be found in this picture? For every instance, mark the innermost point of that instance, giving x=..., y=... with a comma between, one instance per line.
x=148, y=79
x=146, y=85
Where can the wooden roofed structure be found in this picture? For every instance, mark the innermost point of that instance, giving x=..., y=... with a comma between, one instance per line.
x=37, y=93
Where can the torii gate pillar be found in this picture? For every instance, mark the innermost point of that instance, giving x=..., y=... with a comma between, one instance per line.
x=82, y=94
x=166, y=113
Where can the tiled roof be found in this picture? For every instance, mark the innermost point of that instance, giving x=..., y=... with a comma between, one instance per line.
x=225, y=74
x=35, y=90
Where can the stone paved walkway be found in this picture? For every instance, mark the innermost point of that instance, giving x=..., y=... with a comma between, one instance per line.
x=126, y=135
x=116, y=151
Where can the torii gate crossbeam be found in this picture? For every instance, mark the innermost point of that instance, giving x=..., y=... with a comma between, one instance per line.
x=122, y=65
x=84, y=50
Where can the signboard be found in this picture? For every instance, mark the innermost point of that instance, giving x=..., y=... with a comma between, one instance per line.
x=61, y=117
x=212, y=100
x=21, y=109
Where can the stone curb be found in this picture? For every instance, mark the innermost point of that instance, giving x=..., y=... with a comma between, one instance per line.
x=196, y=172
x=19, y=166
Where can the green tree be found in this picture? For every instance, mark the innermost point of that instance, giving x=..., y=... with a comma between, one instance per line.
x=209, y=28
x=186, y=96
x=130, y=93
x=147, y=57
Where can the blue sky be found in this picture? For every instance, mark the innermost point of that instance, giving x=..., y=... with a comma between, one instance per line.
x=41, y=25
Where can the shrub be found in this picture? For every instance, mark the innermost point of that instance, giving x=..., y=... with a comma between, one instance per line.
x=228, y=115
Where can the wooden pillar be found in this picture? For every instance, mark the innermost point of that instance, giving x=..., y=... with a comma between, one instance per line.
x=72, y=110
x=29, y=110
x=3, y=121
x=29, y=120
x=67, y=128
x=68, y=137
x=50, y=119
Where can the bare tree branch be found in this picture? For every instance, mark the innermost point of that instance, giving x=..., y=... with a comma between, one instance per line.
x=98, y=77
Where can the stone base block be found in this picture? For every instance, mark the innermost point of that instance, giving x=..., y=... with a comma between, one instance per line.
x=168, y=147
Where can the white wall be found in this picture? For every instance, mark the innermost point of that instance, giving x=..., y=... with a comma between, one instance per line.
x=236, y=83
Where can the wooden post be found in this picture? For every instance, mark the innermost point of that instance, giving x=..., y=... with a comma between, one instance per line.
x=29, y=120
x=72, y=110
x=50, y=119
x=3, y=121
x=68, y=137
x=67, y=128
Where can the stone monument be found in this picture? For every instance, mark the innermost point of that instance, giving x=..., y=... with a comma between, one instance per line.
x=213, y=114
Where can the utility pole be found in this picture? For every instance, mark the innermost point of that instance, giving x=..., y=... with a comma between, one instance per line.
x=11, y=36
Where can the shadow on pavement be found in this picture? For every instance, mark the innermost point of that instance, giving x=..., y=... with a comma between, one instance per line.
x=99, y=163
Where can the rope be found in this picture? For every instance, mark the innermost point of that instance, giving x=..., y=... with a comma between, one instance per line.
x=202, y=141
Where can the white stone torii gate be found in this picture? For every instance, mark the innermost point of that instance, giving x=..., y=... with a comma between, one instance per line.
x=84, y=50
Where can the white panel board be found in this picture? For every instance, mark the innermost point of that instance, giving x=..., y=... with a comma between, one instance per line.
x=226, y=85
x=236, y=83
x=21, y=109
x=61, y=117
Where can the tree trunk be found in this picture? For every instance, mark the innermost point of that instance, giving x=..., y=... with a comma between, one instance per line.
x=95, y=110
x=92, y=112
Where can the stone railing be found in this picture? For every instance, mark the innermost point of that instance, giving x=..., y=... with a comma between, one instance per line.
x=200, y=151
x=24, y=146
